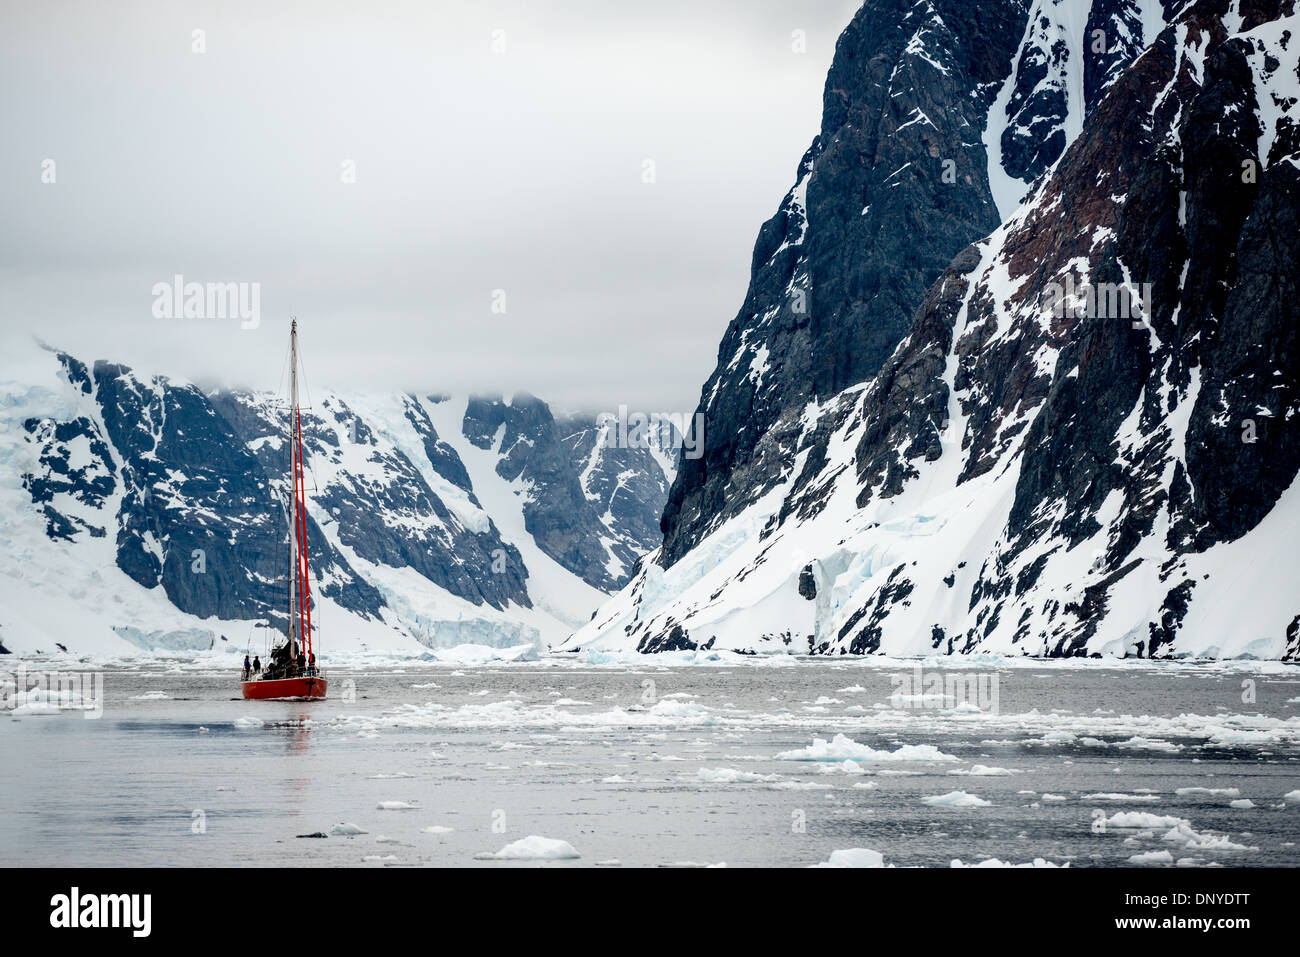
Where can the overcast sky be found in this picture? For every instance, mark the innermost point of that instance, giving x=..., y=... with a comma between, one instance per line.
x=476, y=169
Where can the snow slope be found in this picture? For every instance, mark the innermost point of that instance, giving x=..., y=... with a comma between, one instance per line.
x=109, y=481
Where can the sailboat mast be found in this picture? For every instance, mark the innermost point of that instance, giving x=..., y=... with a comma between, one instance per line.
x=291, y=514
x=303, y=568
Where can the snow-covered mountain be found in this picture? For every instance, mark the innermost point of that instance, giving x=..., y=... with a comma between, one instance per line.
x=143, y=513
x=1018, y=369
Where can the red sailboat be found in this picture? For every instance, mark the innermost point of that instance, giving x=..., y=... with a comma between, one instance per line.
x=291, y=671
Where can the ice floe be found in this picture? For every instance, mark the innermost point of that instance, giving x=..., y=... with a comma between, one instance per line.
x=841, y=748
x=955, y=799
x=532, y=848
x=854, y=857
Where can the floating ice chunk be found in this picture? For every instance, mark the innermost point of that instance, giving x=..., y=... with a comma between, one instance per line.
x=1192, y=839
x=614, y=779
x=1208, y=792
x=1241, y=804
x=983, y=770
x=799, y=786
x=696, y=864
x=151, y=696
x=1152, y=857
x=532, y=848
x=247, y=722
x=845, y=767
x=1143, y=819
x=680, y=709
x=1292, y=797
x=345, y=829
x=1116, y=796
x=732, y=776
x=1054, y=797
x=438, y=829
x=33, y=709
x=1055, y=737
x=994, y=862
x=395, y=806
x=921, y=700
x=956, y=799
x=1235, y=736
x=841, y=748
x=1139, y=743
x=1135, y=743
x=854, y=857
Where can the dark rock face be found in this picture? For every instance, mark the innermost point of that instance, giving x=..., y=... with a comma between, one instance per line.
x=579, y=503
x=90, y=482
x=894, y=185
x=199, y=514
x=385, y=511
x=807, y=583
x=624, y=484
x=191, y=488
x=441, y=456
x=1070, y=56
x=1216, y=339
x=1088, y=409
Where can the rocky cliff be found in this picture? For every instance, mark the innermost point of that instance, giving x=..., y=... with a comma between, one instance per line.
x=1041, y=399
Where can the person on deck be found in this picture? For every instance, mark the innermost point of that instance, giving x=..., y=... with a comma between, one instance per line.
x=257, y=664
x=247, y=667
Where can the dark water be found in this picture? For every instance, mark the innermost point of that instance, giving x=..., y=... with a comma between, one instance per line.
x=609, y=759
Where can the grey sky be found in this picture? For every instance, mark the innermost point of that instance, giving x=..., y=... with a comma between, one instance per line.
x=475, y=171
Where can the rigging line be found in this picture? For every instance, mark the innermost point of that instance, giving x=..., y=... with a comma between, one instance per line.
x=302, y=537
x=306, y=561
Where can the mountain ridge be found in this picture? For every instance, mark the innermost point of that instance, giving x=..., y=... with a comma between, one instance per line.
x=1019, y=477
x=421, y=533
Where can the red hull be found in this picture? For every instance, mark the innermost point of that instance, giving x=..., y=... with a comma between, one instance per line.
x=286, y=688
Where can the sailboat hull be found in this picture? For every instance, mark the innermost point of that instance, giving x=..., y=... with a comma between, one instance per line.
x=286, y=688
